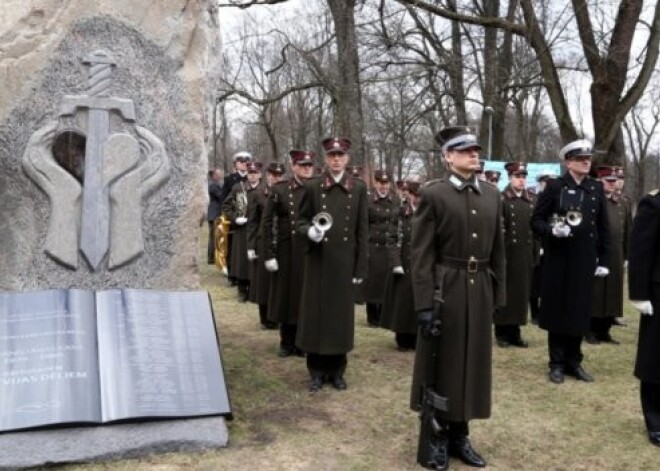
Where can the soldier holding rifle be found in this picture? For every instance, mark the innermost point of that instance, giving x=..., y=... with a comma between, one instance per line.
x=458, y=267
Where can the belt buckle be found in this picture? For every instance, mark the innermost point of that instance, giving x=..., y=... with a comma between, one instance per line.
x=472, y=265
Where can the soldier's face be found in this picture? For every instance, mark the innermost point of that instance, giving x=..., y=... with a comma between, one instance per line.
x=609, y=185
x=241, y=165
x=463, y=161
x=253, y=177
x=303, y=171
x=518, y=182
x=336, y=162
x=382, y=187
x=619, y=184
x=273, y=178
x=579, y=165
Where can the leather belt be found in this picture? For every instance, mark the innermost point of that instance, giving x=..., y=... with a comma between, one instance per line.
x=472, y=265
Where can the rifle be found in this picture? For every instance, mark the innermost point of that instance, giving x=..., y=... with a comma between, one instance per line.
x=431, y=400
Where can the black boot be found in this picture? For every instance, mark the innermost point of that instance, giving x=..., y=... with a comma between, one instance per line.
x=440, y=458
x=462, y=448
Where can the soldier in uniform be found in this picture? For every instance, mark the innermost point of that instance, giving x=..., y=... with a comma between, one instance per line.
x=335, y=262
x=398, y=313
x=235, y=208
x=644, y=292
x=518, y=205
x=608, y=291
x=493, y=176
x=571, y=217
x=241, y=160
x=259, y=276
x=535, y=296
x=383, y=205
x=458, y=250
x=285, y=250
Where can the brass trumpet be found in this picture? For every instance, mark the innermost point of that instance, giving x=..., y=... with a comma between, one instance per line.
x=322, y=221
x=221, y=232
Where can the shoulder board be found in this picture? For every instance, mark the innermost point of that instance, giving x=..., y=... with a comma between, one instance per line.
x=655, y=192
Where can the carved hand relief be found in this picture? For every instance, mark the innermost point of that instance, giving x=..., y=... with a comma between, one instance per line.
x=96, y=178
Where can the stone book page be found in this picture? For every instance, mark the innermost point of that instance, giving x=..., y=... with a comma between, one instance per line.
x=159, y=355
x=48, y=359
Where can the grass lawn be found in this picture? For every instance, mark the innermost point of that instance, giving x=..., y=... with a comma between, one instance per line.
x=535, y=425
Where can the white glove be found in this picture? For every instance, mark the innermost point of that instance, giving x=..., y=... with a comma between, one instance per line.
x=625, y=265
x=602, y=271
x=357, y=281
x=398, y=270
x=561, y=230
x=644, y=307
x=252, y=255
x=271, y=265
x=314, y=234
x=239, y=221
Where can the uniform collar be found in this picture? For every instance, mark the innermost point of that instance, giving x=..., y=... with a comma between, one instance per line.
x=588, y=184
x=459, y=183
x=328, y=181
x=377, y=197
x=510, y=193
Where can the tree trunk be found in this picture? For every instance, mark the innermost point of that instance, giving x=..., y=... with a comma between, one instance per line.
x=347, y=93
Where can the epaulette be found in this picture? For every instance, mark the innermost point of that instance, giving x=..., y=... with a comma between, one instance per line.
x=655, y=192
x=433, y=182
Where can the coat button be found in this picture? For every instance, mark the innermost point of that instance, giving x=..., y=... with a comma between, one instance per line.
x=346, y=238
x=322, y=195
x=474, y=235
x=474, y=211
x=325, y=239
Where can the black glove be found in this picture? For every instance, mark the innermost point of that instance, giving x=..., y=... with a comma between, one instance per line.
x=425, y=318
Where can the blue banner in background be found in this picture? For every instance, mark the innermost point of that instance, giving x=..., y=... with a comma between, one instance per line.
x=533, y=169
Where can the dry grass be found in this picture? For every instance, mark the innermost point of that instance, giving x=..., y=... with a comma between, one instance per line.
x=535, y=425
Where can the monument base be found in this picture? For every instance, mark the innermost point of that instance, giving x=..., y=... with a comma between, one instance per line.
x=110, y=442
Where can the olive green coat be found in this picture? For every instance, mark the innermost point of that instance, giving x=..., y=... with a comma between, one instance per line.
x=398, y=311
x=519, y=243
x=455, y=220
x=381, y=212
x=259, y=276
x=608, y=290
x=288, y=247
x=326, y=322
x=232, y=207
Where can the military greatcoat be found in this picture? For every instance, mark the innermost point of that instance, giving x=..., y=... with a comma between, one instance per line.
x=569, y=263
x=327, y=318
x=381, y=212
x=398, y=312
x=608, y=290
x=455, y=221
x=520, y=245
x=644, y=284
x=259, y=276
x=284, y=244
x=234, y=206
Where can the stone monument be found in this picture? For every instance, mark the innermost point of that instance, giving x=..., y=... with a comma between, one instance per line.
x=102, y=142
x=103, y=124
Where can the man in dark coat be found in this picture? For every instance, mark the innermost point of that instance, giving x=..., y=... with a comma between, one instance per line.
x=285, y=250
x=517, y=204
x=235, y=207
x=398, y=312
x=335, y=262
x=241, y=160
x=214, y=209
x=535, y=296
x=644, y=292
x=458, y=249
x=571, y=217
x=608, y=290
x=383, y=206
x=259, y=275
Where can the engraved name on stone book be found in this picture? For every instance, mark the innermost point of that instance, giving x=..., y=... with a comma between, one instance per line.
x=77, y=356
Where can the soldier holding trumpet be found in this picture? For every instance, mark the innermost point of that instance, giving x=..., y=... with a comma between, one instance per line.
x=333, y=217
